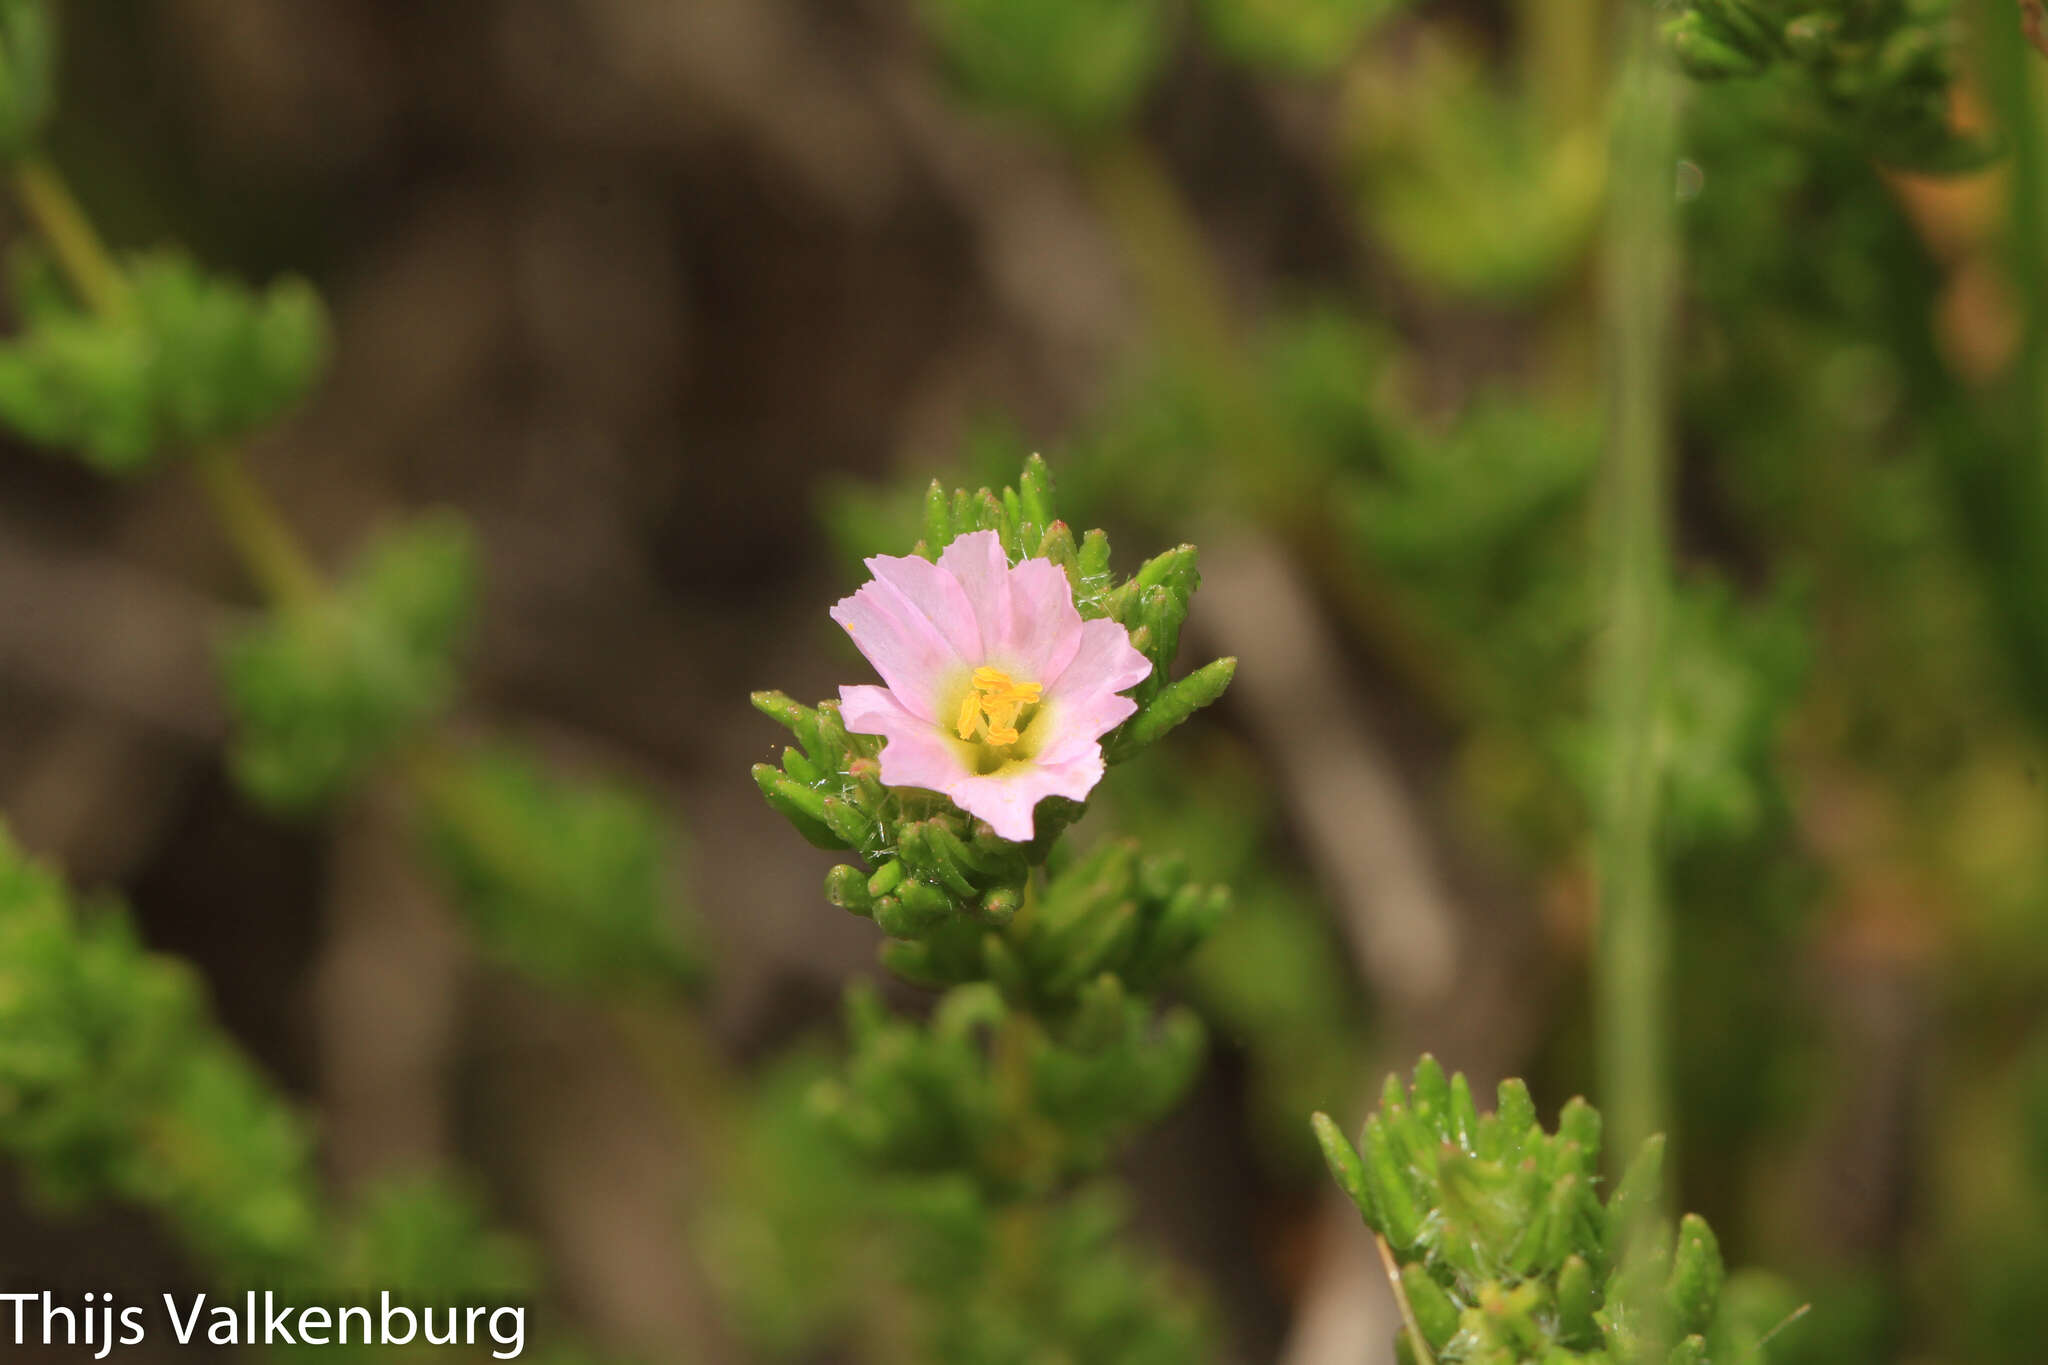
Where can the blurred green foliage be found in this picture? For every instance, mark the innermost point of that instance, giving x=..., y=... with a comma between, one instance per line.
x=1079, y=65
x=573, y=884
x=989, y=1090
x=1306, y=37
x=117, y=1082
x=1465, y=183
x=1884, y=68
x=193, y=359
x=322, y=690
x=1008, y=1284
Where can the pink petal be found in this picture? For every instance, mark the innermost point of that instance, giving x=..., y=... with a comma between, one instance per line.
x=938, y=596
x=976, y=562
x=869, y=710
x=1083, y=700
x=1029, y=626
x=1077, y=723
x=1106, y=661
x=1007, y=800
x=916, y=753
x=1044, y=629
x=903, y=644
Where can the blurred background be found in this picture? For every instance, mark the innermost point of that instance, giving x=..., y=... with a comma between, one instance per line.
x=681, y=303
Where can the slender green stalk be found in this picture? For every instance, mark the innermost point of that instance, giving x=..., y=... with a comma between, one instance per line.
x=1639, y=282
x=55, y=212
x=268, y=549
x=1998, y=468
x=2013, y=77
x=1418, y=1345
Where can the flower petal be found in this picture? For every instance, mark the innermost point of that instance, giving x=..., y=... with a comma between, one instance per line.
x=1077, y=724
x=1029, y=626
x=938, y=596
x=916, y=754
x=1105, y=661
x=977, y=563
x=903, y=644
x=1083, y=702
x=1043, y=632
x=1008, y=799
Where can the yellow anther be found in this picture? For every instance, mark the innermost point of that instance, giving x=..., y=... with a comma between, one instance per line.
x=999, y=700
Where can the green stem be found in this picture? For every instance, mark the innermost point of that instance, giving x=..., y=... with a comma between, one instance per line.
x=2012, y=78
x=1641, y=270
x=270, y=553
x=83, y=257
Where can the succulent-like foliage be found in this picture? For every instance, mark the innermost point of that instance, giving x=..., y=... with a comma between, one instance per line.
x=1112, y=911
x=1885, y=68
x=321, y=690
x=572, y=883
x=990, y=1091
x=189, y=359
x=1507, y=1251
x=1028, y=1284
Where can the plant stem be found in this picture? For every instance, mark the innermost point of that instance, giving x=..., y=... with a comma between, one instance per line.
x=269, y=551
x=1998, y=468
x=1641, y=269
x=2011, y=77
x=80, y=253
x=1417, y=1343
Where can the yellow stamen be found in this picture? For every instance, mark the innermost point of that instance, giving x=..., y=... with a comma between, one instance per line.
x=994, y=704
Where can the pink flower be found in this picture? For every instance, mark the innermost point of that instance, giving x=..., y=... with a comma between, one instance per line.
x=998, y=692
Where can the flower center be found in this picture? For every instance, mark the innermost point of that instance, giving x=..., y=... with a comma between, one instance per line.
x=993, y=704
